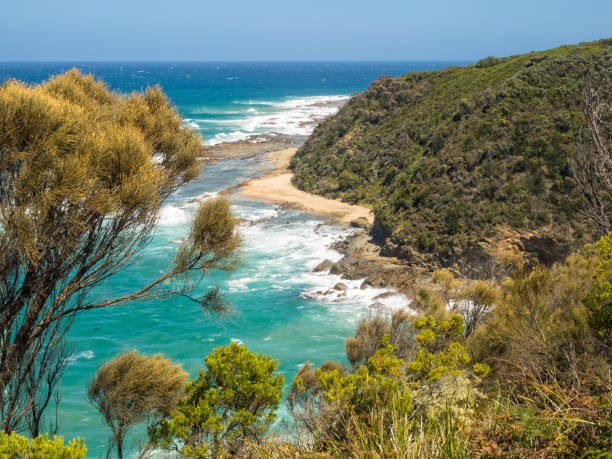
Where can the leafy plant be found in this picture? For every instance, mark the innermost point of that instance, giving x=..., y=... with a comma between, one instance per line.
x=17, y=446
x=234, y=399
x=132, y=388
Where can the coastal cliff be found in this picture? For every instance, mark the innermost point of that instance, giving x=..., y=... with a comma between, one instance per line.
x=460, y=162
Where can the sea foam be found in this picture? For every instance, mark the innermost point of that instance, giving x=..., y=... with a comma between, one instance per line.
x=296, y=116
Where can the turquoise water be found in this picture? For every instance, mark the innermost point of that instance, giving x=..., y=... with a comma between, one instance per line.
x=276, y=308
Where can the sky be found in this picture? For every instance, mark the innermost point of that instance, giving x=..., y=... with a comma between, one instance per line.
x=290, y=30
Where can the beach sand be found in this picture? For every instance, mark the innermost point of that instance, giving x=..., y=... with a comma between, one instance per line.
x=277, y=187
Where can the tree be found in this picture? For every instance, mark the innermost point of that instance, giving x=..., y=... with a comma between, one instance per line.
x=592, y=162
x=83, y=174
x=234, y=399
x=132, y=388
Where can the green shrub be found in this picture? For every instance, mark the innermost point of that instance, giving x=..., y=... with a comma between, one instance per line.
x=16, y=446
x=599, y=301
x=233, y=400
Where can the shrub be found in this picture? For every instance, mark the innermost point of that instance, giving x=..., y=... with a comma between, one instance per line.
x=17, y=446
x=132, y=388
x=232, y=401
x=599, y=301
x=391, y=404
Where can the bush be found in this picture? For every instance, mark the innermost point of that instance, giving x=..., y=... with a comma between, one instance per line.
x=544, y=344
x=17, y=446
x=132, y=388
x=232, y=401
x=599, y=301
x=387, y=405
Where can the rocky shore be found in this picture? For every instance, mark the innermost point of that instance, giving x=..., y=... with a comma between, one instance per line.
x=362, y=257
x=362, y=260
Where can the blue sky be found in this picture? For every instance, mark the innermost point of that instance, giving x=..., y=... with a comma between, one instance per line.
x=175, y=30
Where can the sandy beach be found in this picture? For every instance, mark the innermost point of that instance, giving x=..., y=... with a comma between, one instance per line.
x=277, y=187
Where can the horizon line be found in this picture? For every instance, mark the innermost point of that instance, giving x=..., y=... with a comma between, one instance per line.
x=305, y=61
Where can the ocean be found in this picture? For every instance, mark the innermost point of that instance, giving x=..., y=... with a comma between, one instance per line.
x=277, y=308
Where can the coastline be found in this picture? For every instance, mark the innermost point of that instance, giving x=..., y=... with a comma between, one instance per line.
x=276, y=187
x=361, y=258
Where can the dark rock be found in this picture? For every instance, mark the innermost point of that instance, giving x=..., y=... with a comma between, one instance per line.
x=546, y=249
x=361, y=222
x=384, y=295
x=378, y=306
x=325, y=265
x=340, y=286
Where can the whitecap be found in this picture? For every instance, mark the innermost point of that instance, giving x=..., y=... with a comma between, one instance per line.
x=297, y=116
x=172, y=216
x=87, y=355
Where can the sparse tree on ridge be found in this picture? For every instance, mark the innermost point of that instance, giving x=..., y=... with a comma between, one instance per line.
x=592, y=165
x=83, y=175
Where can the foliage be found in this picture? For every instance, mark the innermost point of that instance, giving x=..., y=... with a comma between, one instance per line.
x=532, y=380
x=132, y=388
x=447, y=158
x=233, y=400
x=370, y=332
x=17, y=446
x=543, y=342
x=447, y=294
x=390, y=403
x=83, y=174
x=599, y=301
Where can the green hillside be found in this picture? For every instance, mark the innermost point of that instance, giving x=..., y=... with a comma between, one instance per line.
x=448, y=158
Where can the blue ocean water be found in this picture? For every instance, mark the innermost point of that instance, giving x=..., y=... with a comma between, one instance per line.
x=277, y=305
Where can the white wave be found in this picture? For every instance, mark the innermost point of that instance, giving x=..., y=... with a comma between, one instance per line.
x=288, y=117
x=235, y=136
x=299, y=246
x=172, y=216
x=237, y=341
x=87, y=355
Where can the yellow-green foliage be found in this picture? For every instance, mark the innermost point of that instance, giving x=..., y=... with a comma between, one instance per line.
x=439, y=353
x=599, y=301
x=542, y=324
x=15, y=446
x=370, y=331
x=392, y=407
x=233, y=400
x=377, y=384
x=72, y=142
x=447, y=295
x=132, y=388
x=544, y=343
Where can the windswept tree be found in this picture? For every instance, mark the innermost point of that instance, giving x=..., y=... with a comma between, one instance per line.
x=83, y=175
x=132, y=388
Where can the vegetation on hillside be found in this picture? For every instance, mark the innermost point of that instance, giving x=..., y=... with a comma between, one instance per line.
x=447, y=158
